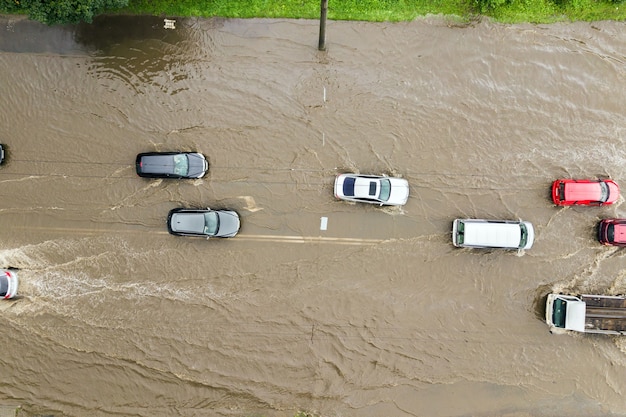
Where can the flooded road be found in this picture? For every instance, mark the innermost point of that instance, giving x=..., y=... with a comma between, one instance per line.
x=379, y=315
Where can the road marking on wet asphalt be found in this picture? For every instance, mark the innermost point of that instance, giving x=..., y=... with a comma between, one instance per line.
x=310, y=239
x=240, y=237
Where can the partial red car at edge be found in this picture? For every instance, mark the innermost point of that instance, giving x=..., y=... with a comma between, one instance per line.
x=569, y=192
x=612, y=232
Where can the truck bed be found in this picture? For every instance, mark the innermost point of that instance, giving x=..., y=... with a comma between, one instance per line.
x=605, y=313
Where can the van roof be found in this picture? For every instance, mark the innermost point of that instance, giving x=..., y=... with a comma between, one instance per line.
x=492, y=234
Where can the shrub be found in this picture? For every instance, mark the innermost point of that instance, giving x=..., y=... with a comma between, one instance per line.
x=62, y=11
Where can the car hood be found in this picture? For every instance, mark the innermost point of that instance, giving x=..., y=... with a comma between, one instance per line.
x=399, y=191
x=197, y=165
x=613, y=192
x=229, y=224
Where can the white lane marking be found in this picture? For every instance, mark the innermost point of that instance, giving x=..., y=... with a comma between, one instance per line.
x=310, y=239
x=239, y=237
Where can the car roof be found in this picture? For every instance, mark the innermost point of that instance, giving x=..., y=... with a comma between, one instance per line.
x=158, y=164
x=366, y=187
x=579, y=191
x=187, y=222
x=480, y=233
x=619, y=231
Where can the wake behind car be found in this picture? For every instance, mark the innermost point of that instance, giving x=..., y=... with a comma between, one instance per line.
x=8, y=283
x=203, y=222
x=612, y=232
x=171, y=165
x=372, y=189
x=569, y=192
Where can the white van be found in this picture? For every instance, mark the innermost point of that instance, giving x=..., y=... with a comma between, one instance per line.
x=479, y=233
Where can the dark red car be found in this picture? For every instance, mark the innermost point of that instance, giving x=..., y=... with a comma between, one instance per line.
x=568, y=192
x=612, y=232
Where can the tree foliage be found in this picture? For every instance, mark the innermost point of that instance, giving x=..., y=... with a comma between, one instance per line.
x=62, y=11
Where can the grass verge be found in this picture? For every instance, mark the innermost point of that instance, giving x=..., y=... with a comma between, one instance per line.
x=508, y=11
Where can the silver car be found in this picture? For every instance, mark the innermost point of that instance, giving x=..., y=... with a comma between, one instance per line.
x=8, y=283
x=203, y=222
x=171, y=165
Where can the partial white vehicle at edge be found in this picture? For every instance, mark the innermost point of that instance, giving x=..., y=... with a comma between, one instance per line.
x=372, y=189
x=586, y=313
x=504, y=234
x=8, y=283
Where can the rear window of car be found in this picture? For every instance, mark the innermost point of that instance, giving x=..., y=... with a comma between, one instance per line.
x=562, y=191
x=4, y=285
x=460, y=233
x=348, y=186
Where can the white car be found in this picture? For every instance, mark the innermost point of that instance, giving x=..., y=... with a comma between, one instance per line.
x=8, y=283
x=372, y=189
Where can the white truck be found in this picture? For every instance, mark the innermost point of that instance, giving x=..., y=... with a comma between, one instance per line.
x=586, y=313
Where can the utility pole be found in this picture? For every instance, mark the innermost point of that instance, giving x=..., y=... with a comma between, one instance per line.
x=323, y=13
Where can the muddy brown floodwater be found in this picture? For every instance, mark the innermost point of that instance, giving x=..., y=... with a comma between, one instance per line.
x=379, y=315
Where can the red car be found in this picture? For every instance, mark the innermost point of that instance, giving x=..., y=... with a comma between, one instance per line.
x=612, y=232
x=567, y=192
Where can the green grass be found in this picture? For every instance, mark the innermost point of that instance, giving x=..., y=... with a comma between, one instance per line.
x=366, y=10
x=508, y=11
x=547, y=11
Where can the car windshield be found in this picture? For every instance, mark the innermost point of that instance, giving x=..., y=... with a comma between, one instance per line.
x=604, y=192
x=385, y=189
x=559, y=313
x=524, y=235
x=211, y=223
x=181, y=165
